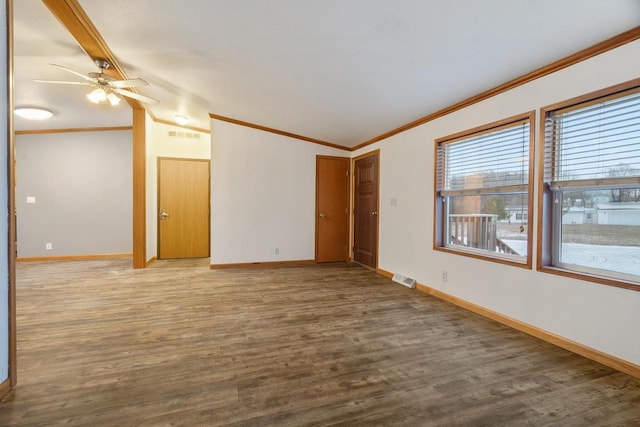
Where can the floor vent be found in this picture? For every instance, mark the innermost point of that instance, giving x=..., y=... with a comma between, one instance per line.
x=404, y=280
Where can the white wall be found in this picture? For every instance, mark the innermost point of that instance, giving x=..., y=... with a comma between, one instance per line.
x=82, y=185
x=4, y=225
x=598, y=316
x=263, y=195
x=159, y=143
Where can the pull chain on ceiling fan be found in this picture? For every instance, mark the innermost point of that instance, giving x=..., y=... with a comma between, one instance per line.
x=106, y=87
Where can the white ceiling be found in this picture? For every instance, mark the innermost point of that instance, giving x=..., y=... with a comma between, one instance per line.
x=341, y=71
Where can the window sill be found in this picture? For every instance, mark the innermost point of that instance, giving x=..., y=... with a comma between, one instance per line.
x=602, y=280
x=482, y=255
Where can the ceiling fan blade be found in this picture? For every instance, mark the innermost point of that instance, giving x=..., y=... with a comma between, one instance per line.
x=62, y=82
x=134, y=95
x=90, y=79
x=128, y=83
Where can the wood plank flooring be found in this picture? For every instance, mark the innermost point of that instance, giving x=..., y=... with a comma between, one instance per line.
x=177, y=344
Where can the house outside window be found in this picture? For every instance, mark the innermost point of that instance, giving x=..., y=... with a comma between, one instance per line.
x=590, y=189
x=483, y=191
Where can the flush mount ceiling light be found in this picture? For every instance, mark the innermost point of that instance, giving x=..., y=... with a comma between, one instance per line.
x=32, y=113
x=181, y=120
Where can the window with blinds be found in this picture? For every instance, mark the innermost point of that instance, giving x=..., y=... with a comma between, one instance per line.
x=482, y=190
x=591, y=187
x=490, y=163
x=595, y=145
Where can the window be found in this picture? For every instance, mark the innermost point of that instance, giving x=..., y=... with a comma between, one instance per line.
x=590, y=200
x=482, y=192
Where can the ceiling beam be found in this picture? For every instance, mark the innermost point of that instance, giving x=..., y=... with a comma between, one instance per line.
x=73, y=17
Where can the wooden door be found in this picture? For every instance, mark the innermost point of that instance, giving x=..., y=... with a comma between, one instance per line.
x=183, y=208
x=332, y=209
x=365, y=219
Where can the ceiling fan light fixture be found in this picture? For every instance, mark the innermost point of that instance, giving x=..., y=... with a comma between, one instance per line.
x=97, y=96
x=32, y=113
x=113, y=99
x=181, y=120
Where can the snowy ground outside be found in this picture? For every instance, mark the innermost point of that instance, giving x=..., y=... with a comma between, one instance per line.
x=622, y=259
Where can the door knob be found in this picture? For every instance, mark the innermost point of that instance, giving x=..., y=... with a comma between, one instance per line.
x=164, y=214
x=322, y=215
x=374, y=213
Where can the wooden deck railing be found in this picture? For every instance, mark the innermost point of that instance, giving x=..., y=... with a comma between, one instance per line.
x=477, y=231
x=474, y=230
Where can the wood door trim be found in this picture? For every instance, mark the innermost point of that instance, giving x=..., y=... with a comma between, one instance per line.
x=318, y=157
x=352, y=207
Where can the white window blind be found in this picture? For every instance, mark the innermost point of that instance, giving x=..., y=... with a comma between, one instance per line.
x=489, y=163
x=594, y=146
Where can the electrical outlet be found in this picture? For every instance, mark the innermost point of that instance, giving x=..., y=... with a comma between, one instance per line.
x=48, y=246
x=444, y=276
x=277, y=251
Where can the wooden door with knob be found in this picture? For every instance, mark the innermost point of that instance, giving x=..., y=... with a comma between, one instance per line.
x=332, y=209
x=183, y=208
x=365, y=212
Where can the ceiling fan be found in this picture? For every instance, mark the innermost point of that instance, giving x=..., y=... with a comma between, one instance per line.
x=106, y=87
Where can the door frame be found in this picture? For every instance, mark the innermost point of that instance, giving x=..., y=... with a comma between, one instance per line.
x=352, y=207
x=157, y=213
x=348, y=256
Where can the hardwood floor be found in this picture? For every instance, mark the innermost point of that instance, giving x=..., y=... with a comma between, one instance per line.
x=100, y=344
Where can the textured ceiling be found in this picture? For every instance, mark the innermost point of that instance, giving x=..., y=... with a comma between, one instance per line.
x=341, y=71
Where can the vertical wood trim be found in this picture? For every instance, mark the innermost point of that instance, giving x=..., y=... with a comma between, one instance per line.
x=157, y=206
x=139, y=189
x=11, y=194
x=317, y=211
x=375, y=264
